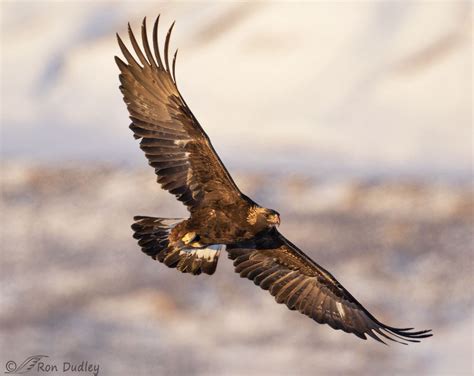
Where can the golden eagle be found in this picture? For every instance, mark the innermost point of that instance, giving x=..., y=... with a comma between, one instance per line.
x=221, y=216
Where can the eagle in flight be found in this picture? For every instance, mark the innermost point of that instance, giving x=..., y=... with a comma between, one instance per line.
x=221, y=216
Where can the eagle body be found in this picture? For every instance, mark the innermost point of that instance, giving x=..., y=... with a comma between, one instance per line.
x=221, y=216
x=227, y=224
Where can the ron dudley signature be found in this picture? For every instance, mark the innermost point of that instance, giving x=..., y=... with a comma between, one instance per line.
x=40, y=364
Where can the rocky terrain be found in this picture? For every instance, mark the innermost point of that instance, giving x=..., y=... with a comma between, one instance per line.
x=76, y=287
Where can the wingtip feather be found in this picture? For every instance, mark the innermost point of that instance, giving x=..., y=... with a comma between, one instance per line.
x=174, y=66
x=167, y=44
x=155, y=42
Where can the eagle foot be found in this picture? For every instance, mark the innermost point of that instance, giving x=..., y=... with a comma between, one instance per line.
x=189, y=237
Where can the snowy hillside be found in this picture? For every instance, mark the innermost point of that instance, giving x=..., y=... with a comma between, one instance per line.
x=323, y=87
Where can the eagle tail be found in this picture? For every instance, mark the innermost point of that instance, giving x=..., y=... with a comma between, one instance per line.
x=153, y=238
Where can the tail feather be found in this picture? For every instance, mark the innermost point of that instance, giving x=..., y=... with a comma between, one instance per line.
x=152, y=235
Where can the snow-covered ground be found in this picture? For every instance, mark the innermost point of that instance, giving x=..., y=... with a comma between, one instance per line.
x=327, y=87
x=75, y=285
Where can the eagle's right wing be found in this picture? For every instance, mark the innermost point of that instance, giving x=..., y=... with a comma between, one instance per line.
x=276, y=265
x=173, y=141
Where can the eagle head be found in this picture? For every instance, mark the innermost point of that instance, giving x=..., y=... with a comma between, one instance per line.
x=263, y=217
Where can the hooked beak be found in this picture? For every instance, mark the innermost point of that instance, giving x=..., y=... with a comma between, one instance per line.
x=276, y=220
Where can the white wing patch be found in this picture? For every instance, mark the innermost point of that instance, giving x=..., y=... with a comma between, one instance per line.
x=209, y=253
x=340, y=309
x=181, y=142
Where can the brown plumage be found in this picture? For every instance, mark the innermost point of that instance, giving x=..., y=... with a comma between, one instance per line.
x=222, y=217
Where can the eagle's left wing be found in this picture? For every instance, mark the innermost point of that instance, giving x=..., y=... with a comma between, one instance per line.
x=275, y=264
x=174, y=142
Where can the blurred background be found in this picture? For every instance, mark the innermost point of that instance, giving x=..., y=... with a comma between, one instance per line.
x=352, y=119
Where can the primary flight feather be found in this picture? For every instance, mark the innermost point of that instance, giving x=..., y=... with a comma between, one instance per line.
x=221, y=216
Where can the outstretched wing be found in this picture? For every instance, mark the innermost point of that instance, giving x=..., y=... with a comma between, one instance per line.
x=173, y=141
x=274, y=264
